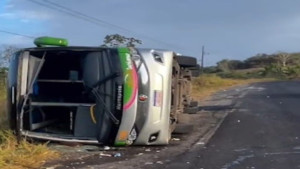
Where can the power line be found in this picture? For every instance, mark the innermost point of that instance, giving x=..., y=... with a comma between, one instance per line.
x=18, y=34
x=87, y=18
x=60, y=10
x=102, y=21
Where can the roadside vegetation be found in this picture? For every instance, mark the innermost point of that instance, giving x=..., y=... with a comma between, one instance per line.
x=207, y=84
x=259, y=68
x=280, y=65
x=3, y=115
x=14, y=155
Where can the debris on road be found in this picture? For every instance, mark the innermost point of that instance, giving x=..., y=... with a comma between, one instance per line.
x=117, y=155
x=200, y=143
x=105, y=155
x=139, y=154
x=175, y=139
x=159, y=162
x=106, y=148
x=148, y=163
x=148, y=149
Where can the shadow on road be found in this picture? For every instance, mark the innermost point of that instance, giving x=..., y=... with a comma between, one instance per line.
x=216, y=108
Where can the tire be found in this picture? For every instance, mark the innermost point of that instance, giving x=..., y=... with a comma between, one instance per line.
x=193, y=104
x=183, y=128
x=186, y=61
x=191, y=110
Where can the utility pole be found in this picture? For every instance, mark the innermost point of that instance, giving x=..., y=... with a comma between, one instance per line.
x=202, y=59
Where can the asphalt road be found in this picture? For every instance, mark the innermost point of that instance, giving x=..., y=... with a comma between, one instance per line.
x=261, y=132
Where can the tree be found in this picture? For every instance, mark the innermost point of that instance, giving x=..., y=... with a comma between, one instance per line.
x=283, y=58
x=211, y=69
x=5, y=55
x=226, y=65
x=131, y=42
x=259, y=60
x=115, y=40
x=223, y=65
x=236, y=64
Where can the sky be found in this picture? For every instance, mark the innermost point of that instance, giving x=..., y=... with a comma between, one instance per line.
x=231, y=29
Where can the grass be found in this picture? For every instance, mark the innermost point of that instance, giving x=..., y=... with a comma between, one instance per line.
x=205, y=85
x=24, y=155
x=3, y=115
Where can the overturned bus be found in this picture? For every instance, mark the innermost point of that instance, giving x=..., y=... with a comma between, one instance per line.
x=118, y=96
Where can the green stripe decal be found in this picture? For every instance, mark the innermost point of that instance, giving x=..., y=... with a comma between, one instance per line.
x=120, y=144
x=130, y=78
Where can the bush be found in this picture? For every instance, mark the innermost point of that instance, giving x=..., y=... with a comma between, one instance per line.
x=276, y=71
x=241, y=75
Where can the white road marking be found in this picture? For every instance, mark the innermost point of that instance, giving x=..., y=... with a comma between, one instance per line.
x=238, y=161
x=282, y=153
x=297, y=148
x=239, y=150
x=243, y=95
